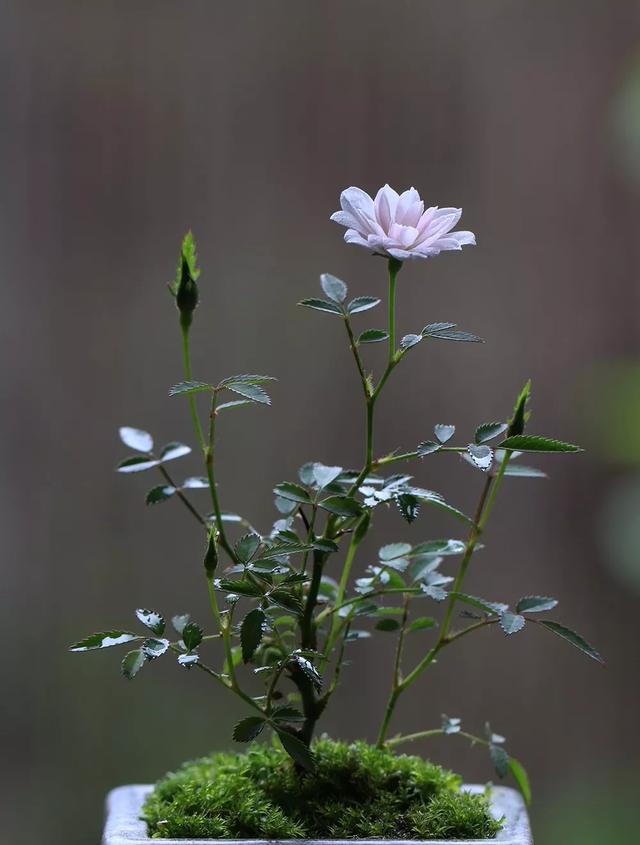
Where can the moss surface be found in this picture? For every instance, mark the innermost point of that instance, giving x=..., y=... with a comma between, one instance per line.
x=356, y=791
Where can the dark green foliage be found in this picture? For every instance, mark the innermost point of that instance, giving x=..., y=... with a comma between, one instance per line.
x=354, y=791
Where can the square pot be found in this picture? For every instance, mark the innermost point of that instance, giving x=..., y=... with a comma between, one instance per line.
x=124, y=826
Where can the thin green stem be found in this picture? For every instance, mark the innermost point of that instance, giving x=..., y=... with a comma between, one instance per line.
x=400, y=740
x=181, y=496
x=186, y=359
x=209, y=453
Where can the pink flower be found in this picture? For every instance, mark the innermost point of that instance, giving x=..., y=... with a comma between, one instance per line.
x=397, y=225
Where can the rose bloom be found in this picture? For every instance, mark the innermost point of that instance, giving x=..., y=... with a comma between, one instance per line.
x=397, y=225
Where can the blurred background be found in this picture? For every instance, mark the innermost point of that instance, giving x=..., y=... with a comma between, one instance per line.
x=124, y=124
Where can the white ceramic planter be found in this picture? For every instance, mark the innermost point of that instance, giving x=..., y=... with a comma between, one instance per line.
x=124, y=827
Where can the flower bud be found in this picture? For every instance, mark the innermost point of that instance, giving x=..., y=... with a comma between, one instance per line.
x=211, y=555
x=186, y=294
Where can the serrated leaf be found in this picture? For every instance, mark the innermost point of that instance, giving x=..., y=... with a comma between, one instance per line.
x=179, y=621
x=104, y=639
x=341, y=506
x=191, y=636
x=536, y=604
x=152, y=620
x=241, y=587
x=132, y=663
x=136, y=439
x=491, y=607
x=393, y=551
x=572, y=637
x=521, y=778
x=434, y=592
x=453, y=334
x=333, y=287
x=159, y=494
x=511, y=623
x=520, y=471
x=237, y=403
x=444, y=433
x=251, y=391
x=373, y=336
x=136, y=464
x=410, y=340
x=292, y=492
x=488, y=431
x=247, y=546
x=308, y=669
x=422, y=624
x=248, y=729
x=323, y=475
x=286, y=599
x=439, y=547
x=188, y=660
x=387, y=625
x=438, y=502
x=535, y=443
x=185, y=388
x=437, y=327
x=296, y=749
x=520, y=414
x=281, y=549
x=427, y=447
x=481, y=456
x=423, y=565
x=321, y=305
x=323, y=545
x=251, y=632
x=153, y=648
x=500, y=760
x=362, y=303
x=285, y=713
x=246, y=378
x=409, y=507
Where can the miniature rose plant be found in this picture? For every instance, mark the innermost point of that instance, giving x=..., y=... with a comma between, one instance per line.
x=287, y=604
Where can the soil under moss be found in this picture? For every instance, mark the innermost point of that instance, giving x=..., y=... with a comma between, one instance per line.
x=356, y=791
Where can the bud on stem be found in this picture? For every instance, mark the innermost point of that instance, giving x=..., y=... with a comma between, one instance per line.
x=211, y=555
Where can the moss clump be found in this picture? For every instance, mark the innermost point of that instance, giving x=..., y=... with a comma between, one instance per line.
x=356, y=791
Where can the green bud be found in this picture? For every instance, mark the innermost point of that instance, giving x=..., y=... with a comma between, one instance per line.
x=186, y=294
x=520, y=415
x=211, y=555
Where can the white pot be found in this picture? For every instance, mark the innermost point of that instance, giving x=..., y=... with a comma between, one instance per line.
x=124, y=826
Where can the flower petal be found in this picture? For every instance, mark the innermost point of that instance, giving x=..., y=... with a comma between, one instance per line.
x=385, y=206
x=409, y=208
x=351, y=236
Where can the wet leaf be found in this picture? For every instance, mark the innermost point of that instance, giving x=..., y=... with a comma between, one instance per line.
x=334, y=288
x=373, y=336
x=409, y=506
x=434, y=592
x=132, y=663
x=251, y=632
x=321, y=305
x=104, y=639
x=536, y=604
x=151, y=620
x=188, y=387
x=248, y=729
x=511, y=623
x=488, y=431
x=136, y=439
x=323, y=475
x=362, y=303
x=247, y=546
x=242, y=587
x=308, y=669
x=153, y=648
x=427, y=447
x=188, y=660
x=444, y=433
x=481, y=456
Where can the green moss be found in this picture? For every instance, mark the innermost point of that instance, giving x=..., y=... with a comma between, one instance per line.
x=356, y=791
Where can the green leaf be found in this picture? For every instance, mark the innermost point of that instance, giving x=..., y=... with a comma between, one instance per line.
x=439, y=547
x=136, y=464
x=174, y=450
x=246, y=378
x=296, y=749
x=535, y=443
x=572, y=637
x=444, y=433
x=292, y=492
x=159, y=494
x=439, y=502
x=104, y=639
x=151, y=620
x=520, y=471
x=242, y=587
x=286, y=599
x=136, y=439
x=179, y=621
x=387, y=625
x=323, y=545
x=487, y=431
x=285, y=713
x=520, y=414
x=188, y=660
x=281, y=549
x=248, y=729
x=409, y=506
x=410, y=340
x=251, y=632
x=393, y=551
x=373, y=336
x=535, y=604
x=195, y=483
x=191, y=636
x=422, y=624
x=450, y=334
x=341, y=506
x=450, y=725
x=236, y=658
x=434, y=592
x=427, y=447
x=251, y=391
x=437, y=327
x=321, y=305
x=362, y=303
x=132, y=663
x=333, y=287
x=481, y=456
x=521, y=778
x=511, y=623
x=308, y=669
x=153, y=648
x=324, y=475
x=247, y=546
x=491, y=607
x=185, y=388
x=500, y=760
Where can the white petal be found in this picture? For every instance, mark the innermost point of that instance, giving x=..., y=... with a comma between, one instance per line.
x=344, y=218
x=351, y=236
x=463, y=238
x=385, y=206
x=400, y=254
x=357, y=202
x=407, y=211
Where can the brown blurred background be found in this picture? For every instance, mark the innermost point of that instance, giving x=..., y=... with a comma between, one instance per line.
x=123, y=124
